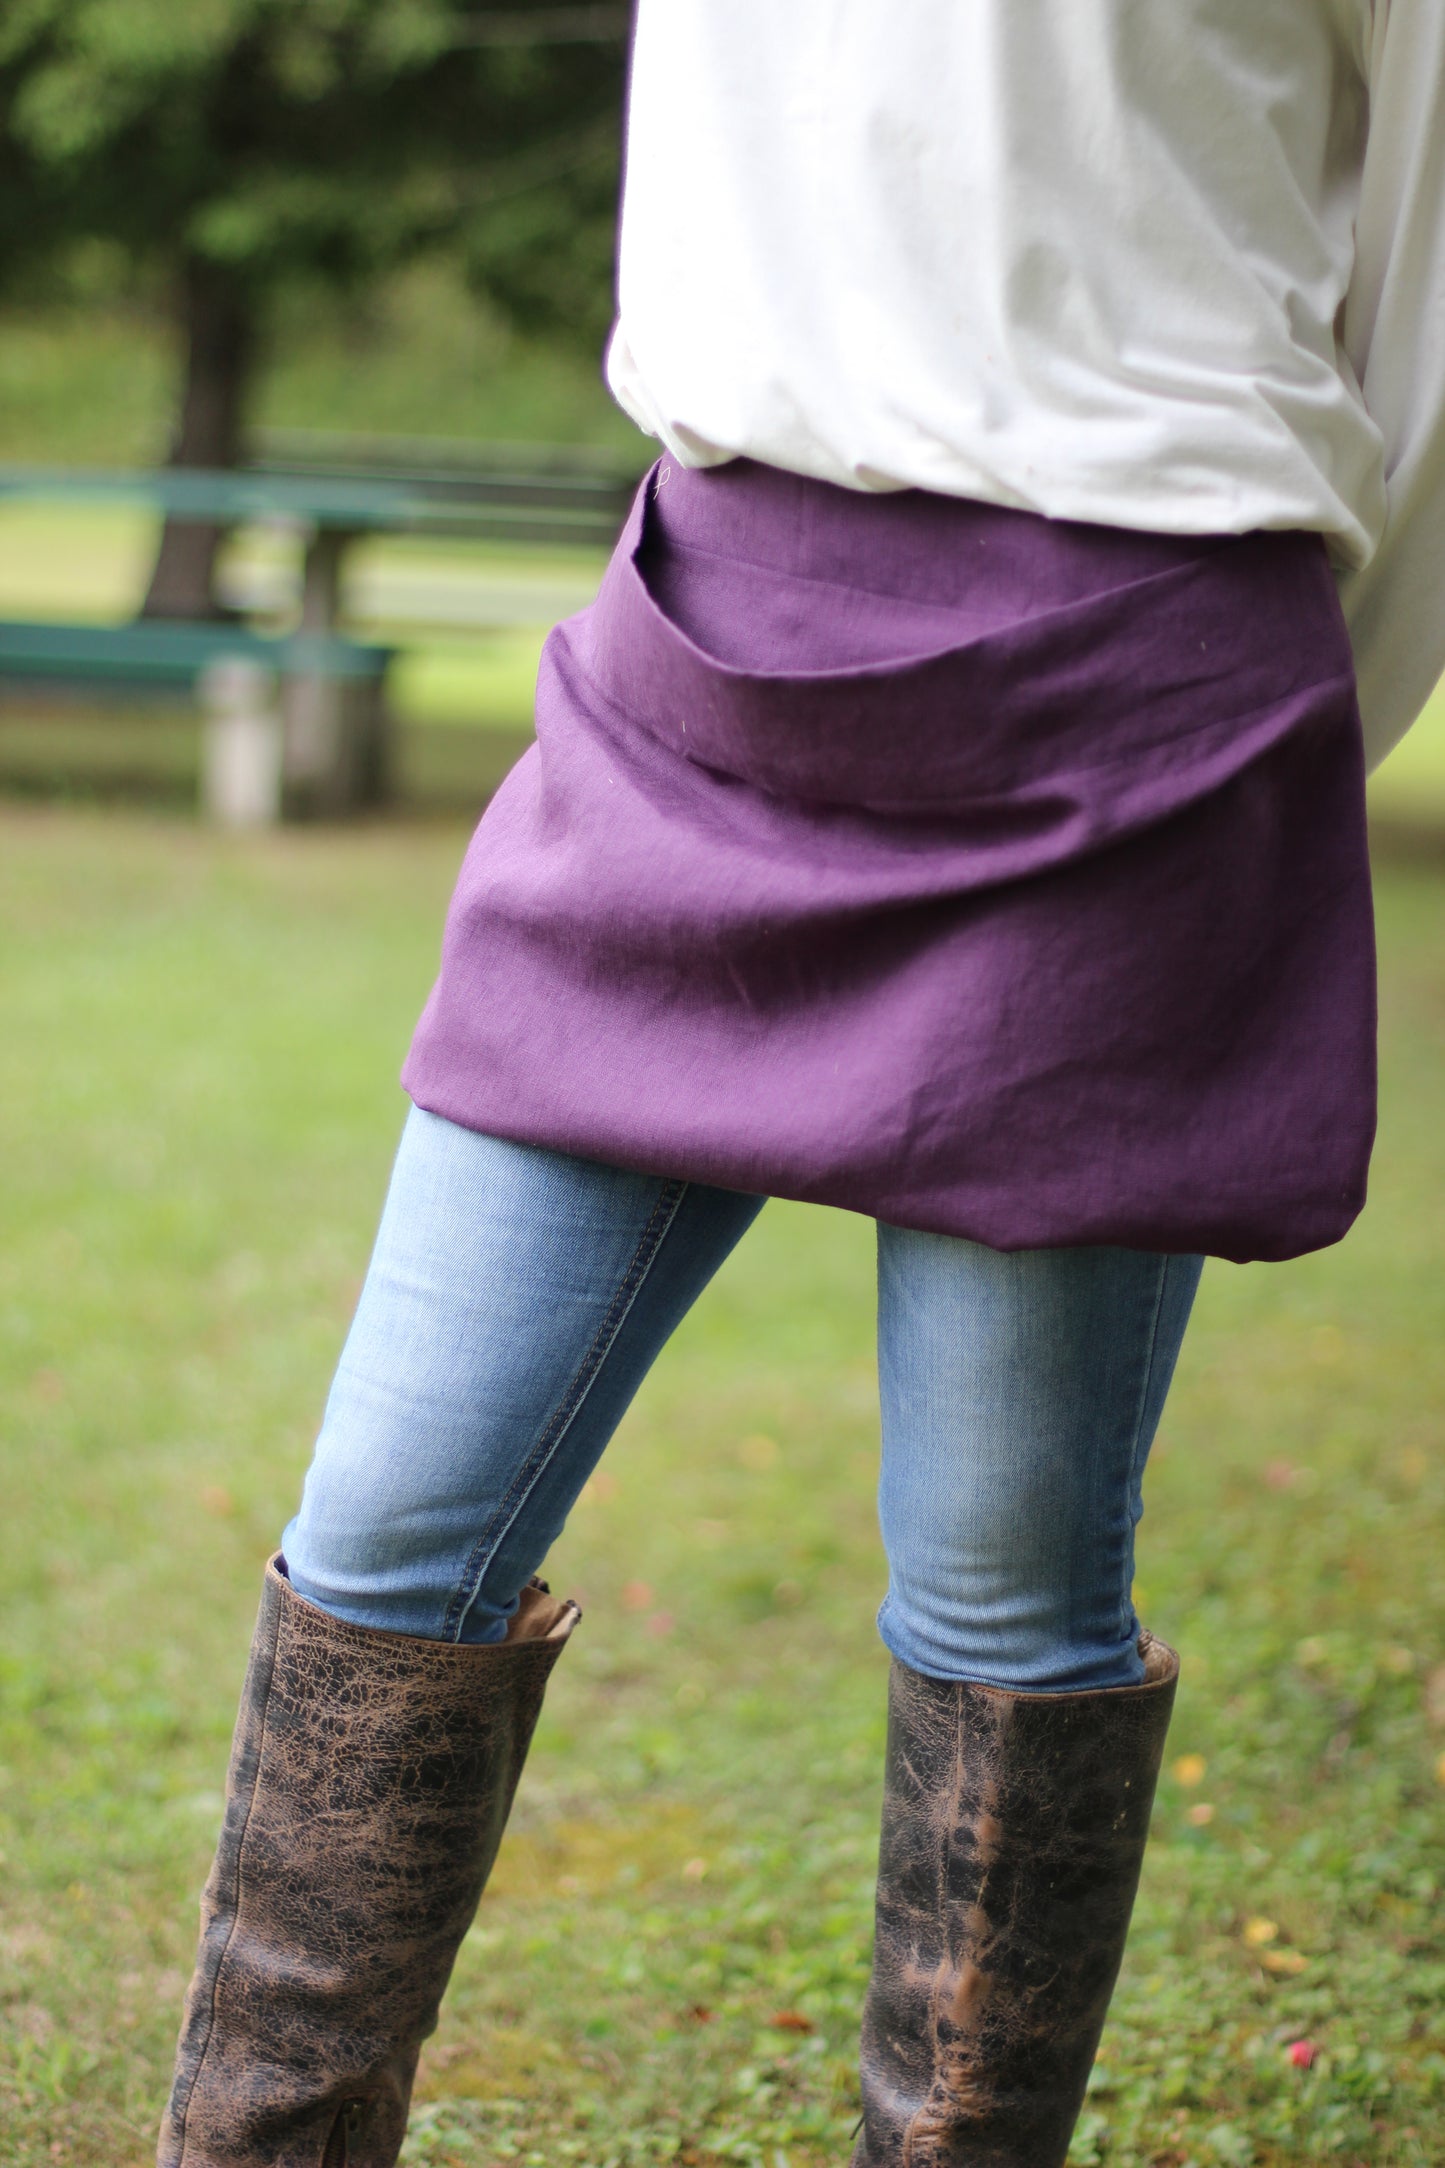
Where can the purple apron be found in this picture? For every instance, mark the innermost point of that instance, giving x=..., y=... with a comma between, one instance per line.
x=992, y=875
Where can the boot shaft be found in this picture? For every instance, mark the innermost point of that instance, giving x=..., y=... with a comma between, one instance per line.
x=371, y=1779
x=1014, y=1828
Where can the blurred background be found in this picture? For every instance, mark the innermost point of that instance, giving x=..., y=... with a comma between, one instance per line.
x=336, y=279
x=303, y=447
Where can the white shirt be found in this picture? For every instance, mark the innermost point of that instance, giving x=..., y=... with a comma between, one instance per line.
x=1165, y=264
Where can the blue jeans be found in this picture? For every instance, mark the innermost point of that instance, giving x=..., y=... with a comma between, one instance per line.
x=516, y=1300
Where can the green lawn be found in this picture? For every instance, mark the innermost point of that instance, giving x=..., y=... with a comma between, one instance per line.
x=94, y=383
x=198, y=1046
x=1409, y=787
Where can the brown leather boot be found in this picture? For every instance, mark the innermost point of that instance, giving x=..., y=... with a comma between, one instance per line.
x=1014, y=1828
x=370, y=1782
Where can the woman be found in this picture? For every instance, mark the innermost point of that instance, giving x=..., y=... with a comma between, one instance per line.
x=950, y=809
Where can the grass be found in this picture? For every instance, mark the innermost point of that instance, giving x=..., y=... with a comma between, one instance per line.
x=94, y=383
x=198, y=1045
x=1409, y=786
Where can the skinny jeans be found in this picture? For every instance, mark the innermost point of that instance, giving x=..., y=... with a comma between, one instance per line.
x=517, y=1298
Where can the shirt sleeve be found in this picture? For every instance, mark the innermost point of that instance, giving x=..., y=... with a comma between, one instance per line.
x=1394, y=336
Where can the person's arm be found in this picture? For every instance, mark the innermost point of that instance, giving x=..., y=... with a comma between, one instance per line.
x=1394, y=335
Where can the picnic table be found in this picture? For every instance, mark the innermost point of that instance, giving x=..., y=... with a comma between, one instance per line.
x=309, y=702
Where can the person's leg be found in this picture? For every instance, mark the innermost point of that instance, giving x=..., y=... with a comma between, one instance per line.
x=1027, y=1708
x=1020, y=1393
x=514, y=1303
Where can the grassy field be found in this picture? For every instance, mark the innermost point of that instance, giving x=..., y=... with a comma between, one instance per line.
x=198, y=1046
x=96, y=384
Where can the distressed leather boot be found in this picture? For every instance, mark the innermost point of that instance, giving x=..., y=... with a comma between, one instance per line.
x=370, y=1782
x=1014, y=1828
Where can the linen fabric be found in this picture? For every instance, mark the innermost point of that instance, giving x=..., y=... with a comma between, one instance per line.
x=517, y=1298
x=1175, y=268
x=997, y=877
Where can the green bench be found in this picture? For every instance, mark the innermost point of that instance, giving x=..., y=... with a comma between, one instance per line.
x=310, y=704
x=149, y=656
x=295, y=724
x=335, y=507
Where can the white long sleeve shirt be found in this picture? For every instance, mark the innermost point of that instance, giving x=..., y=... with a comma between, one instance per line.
x=1165, y=264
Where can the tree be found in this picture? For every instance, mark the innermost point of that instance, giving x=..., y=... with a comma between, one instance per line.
x=235, y=147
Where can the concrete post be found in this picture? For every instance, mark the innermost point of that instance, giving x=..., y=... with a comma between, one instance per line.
x=241, y=744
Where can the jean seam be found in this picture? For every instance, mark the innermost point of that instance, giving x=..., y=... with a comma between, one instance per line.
x=663, y=1214
x=1126, y=1605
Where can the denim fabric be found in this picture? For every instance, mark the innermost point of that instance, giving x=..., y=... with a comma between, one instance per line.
x=516, y=1300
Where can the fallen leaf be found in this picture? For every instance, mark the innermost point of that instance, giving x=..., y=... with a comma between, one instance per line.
x=1200, y=1816
x=1284, y=1962
x=1190, y=1769
x=791, y=2021
x=1258, y=1932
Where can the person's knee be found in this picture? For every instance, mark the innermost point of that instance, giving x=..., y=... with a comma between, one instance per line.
x=1020, y=1393
x=1027, y=1639
x=1011, y=1589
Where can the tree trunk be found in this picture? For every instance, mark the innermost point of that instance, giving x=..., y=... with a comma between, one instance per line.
x=220, y=333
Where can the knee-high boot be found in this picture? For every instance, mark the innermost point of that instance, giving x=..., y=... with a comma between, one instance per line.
x=371, y=1778
x=1014, y=1828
